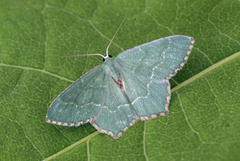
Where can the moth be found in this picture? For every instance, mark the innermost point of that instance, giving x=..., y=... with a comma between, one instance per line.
x=130, y=87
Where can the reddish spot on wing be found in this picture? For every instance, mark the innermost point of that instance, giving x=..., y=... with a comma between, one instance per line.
x=120, y=84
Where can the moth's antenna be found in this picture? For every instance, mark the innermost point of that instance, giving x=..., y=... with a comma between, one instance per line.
x=106, y=49
x=114, y=37
x=82, y=55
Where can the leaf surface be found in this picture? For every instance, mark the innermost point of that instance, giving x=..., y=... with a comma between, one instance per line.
x=203, y=123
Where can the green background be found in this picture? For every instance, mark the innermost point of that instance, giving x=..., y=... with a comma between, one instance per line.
x=204, y=118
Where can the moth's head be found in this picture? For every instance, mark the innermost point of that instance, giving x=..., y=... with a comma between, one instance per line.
x=106, y=57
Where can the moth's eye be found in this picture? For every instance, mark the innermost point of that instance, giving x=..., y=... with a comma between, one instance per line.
x=108, y=56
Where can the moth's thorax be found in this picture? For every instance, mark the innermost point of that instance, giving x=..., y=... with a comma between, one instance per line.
x=111, y=67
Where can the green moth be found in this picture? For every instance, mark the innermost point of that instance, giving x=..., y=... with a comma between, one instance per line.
x=130, y=87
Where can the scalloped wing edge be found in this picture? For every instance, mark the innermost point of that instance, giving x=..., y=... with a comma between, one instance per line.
x=136, y=119
x=184, y=60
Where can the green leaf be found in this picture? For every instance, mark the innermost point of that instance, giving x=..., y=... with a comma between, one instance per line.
x=203, y=123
